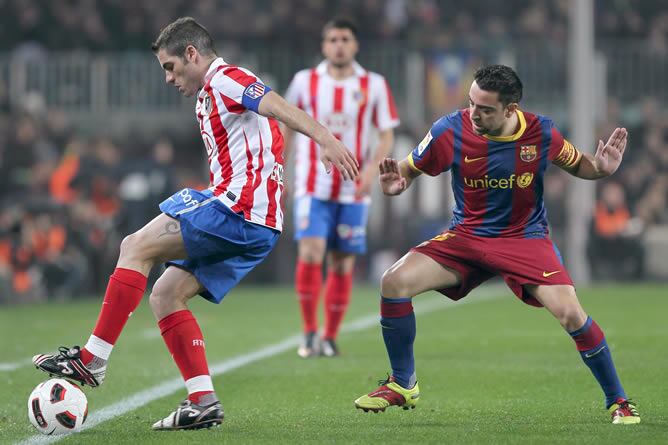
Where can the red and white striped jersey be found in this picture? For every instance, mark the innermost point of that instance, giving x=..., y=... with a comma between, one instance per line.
x=348, y=107
x=245, y=149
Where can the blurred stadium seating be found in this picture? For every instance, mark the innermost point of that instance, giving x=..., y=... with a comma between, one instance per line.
x=91, y=139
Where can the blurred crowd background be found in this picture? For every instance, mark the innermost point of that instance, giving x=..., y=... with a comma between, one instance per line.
x=111, y=25
x=80, y=170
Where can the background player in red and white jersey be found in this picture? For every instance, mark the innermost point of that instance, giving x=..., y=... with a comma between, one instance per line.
x=330, y=214
x=211, y=238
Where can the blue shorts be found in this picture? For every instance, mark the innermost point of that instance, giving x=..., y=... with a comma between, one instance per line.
x=222, y=246
x=342, y=225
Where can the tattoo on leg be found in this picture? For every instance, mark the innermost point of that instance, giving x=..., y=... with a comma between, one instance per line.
x=171, y=228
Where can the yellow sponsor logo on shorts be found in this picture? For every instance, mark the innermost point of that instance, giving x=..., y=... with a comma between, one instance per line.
x=549, y=274
x=443, y=236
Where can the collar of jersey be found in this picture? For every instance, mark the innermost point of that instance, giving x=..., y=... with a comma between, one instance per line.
x=218, y=62
x=321, y=69
x=512, y=137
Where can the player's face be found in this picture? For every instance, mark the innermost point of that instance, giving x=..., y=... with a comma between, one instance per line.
x=339, y=47
x=488, y=114
x=181, y=71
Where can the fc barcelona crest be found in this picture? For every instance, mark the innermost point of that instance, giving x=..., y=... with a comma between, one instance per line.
x=528, y=153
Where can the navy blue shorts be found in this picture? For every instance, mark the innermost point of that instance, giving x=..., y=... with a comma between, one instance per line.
x=222, y=246
x=342, y=225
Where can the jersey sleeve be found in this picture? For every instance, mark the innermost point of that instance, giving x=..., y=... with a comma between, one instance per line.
x=294, y=92
x=561, y=152
x=434, y=155
x=239, y=89
x=385, y=114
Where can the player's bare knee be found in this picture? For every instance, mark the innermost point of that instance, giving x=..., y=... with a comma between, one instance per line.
x=310, y=254
x=311, y=251
x=571, y=317
x=163, y=301
x=155, y=302
x=393, y=284
x=341, y=265
x=132, y=247
x=310, y=257
x=134, y=250
x=128, y=245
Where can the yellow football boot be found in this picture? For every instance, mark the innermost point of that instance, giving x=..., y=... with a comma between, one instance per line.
x=389, y=393
x=624, y=412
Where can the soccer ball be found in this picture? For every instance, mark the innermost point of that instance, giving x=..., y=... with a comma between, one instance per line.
x=57, y=407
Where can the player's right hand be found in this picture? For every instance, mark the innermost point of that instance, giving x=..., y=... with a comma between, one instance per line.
x=391, y=181
x=335, y=153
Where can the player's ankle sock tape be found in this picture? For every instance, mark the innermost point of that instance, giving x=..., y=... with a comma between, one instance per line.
x=203, y=398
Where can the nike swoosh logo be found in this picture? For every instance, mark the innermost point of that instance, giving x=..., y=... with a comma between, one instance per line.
x=549, y=274
x=469, y=160
x=594, y=353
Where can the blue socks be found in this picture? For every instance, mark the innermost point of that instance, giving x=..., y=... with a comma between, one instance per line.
x=594, y=350
x=398, y=325
x=397, y=320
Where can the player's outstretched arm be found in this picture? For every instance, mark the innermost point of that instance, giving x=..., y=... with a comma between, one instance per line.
x=332, y=151
x=607, y=158
x=395, y=177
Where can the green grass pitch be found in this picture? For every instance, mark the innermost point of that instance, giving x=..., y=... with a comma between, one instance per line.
x=490, y=371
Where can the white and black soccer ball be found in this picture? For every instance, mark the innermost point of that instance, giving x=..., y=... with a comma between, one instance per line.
x=57, y=407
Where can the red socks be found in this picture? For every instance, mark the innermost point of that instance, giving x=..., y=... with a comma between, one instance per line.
x=337, y=298
x=124, y=293
x=184, y=340
x=308, y=281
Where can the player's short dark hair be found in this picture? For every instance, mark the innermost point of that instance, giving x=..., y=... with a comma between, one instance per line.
x=340, y=23
x=501, y=79
x=175, y=38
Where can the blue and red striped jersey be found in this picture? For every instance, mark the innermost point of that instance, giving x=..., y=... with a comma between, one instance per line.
x=497, y=181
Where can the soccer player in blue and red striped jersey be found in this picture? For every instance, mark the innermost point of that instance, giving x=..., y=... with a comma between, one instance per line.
x=497, y=154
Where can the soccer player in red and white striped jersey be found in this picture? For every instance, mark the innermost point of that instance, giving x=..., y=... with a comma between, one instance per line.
x=211, y=238
x=330, y=214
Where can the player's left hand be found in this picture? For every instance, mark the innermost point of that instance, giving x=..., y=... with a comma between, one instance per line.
x=608, y=156
x=334, y=153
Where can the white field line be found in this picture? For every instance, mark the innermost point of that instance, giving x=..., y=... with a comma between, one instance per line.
x=168, y=387
x=12, y=366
